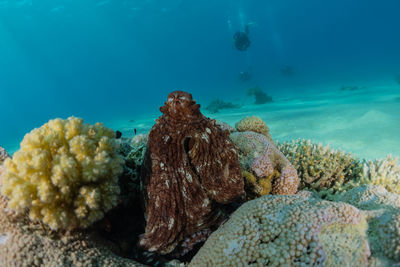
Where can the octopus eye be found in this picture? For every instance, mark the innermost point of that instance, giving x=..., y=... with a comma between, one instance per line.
x=182, y=98
x=170, y=99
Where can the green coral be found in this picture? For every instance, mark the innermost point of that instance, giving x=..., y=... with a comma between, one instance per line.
x=321, y=168
x=65, y=174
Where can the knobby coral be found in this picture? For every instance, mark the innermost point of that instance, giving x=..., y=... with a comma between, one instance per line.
x=383, y=214
x=65, y=174
x=190, y=162
x=297, y=230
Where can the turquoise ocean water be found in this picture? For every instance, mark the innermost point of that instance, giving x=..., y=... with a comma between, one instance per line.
x=116, y=61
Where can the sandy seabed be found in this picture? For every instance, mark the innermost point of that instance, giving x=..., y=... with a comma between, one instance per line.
x=365, y=122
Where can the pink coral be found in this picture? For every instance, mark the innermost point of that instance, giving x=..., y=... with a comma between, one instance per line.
x=261, y=157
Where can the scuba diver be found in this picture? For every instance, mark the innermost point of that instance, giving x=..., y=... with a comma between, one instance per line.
x=241, y=39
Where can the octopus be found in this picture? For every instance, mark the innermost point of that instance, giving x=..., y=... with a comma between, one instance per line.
x=191, y=168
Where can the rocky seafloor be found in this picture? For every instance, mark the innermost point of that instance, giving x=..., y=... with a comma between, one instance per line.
x=306, y=205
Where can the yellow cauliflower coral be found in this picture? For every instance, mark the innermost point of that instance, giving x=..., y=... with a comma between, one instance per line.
x=65, y=174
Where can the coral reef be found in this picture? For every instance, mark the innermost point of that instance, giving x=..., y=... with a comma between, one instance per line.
x=254, y=124
x=23, y=243
x=260, y=157
x=190, y=163
x=217, y=105
x=328, y=171
x=320, y=168
x=382, y=210
x=385, y=172
x=65, y=174
x=297, y=230
x=260, y=96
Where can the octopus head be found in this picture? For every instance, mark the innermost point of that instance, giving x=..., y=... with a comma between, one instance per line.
x=180, y=106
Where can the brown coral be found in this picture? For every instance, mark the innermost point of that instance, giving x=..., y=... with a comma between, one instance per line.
x=189, y=165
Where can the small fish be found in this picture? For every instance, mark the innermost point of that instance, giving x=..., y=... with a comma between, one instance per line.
x=134, y=130
x=118, y=134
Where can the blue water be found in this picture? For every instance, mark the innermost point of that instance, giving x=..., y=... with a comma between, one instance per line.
x=106, y=59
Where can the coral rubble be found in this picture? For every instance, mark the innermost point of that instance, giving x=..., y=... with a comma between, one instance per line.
x=65, y=174
x=190, y=164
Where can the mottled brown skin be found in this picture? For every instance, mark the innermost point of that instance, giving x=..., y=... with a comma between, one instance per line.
x=190, y=165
